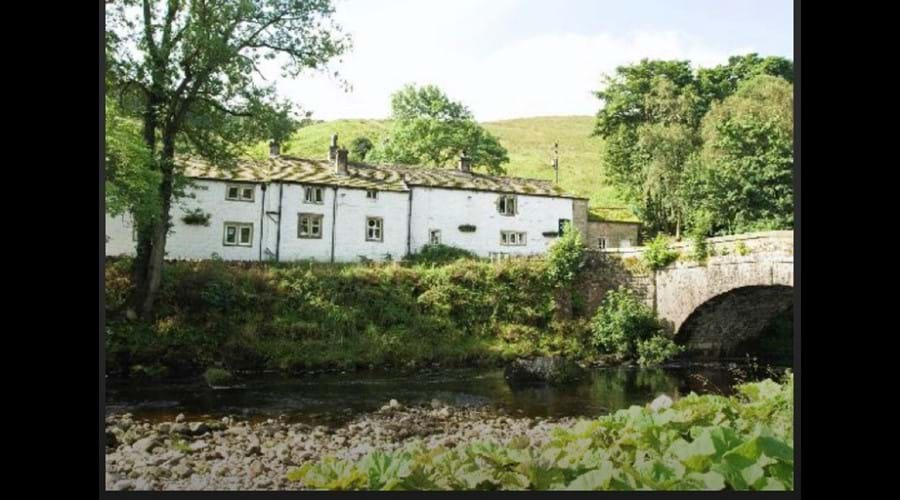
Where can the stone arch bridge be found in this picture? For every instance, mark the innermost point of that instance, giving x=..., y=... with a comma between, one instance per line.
x=715, y=307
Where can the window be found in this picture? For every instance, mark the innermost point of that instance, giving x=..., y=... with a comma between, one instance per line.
x=434, y=237
x=495, y=256
x=512, y=238
x=314, y=195
x=601, y=243
x=372, y=194
x=237, y=192
x=309, y=225
x=562, y=225
x=238, y=234
x=374, y=227
x=506, y=205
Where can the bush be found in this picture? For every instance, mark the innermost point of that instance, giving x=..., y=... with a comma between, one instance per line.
x=439, y=255
x=657, y=254
x=657, y=350
x=741, y=248
x=621, y=322
x=218, y=377
x=565, y=257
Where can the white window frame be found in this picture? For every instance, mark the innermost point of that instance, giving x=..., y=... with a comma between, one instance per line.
x=513, y=238
x=431, y=236
x=371, y=194
x=237, y=233
x=508, y=204
x=310, y=192
x=601, y=243
x=241, y=191
x=312, y=218
x=379, y=228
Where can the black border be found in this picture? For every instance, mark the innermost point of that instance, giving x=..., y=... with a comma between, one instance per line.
x=101, y=394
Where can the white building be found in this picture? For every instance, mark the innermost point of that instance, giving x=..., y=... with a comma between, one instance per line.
x=288, y=209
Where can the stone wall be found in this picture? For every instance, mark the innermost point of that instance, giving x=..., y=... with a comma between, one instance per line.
x=616, y=234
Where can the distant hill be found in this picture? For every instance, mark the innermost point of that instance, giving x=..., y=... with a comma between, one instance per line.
x=529, y=142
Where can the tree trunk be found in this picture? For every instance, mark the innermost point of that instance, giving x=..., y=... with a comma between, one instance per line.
x=157, y=254
x=145, y=230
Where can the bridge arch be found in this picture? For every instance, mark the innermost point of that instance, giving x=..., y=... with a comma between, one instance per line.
x=732, y=324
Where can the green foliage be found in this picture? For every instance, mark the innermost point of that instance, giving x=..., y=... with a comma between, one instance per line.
x=743, y=442
x=439, y=255
x=657, y=254
x=130, y=183
x=663, y=127
x=743, y=175
x=657, y=350
x=741, y=248
x=430, y=129
x=218, y=377
x=699, y=232
x=565, y=257
x=300, y=316
x=197, y=217
x=360, y=147
x=621, y=322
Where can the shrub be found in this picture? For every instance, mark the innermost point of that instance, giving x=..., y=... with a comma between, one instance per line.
x=657, y=350
x=657, y=254
x=439, y=255
x=741, y=248
x=628, y=329
x=565, y=257
x=218, y=377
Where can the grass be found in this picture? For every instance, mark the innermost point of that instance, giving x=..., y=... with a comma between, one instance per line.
x=529, y=142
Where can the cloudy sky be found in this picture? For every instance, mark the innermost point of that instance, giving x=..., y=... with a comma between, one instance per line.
x=518, y=58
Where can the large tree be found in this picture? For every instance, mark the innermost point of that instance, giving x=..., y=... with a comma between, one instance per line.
x=743, y=177
x=650, y=121
x=190, y=70
x=429, y=128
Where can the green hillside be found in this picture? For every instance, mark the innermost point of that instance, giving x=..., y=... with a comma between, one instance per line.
x=528, y=140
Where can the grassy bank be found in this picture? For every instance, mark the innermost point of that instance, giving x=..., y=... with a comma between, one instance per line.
x=303, y=316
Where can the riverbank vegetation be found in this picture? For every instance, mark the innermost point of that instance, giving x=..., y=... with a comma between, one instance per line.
x=709, y=442
x=303, y=316
x=440, y=307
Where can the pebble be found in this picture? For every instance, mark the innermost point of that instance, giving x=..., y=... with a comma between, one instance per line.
x=242, y=455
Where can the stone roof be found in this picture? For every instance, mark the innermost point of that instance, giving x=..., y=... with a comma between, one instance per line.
x=364, y=176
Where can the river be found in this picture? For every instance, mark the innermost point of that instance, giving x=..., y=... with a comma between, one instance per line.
x=334, y=398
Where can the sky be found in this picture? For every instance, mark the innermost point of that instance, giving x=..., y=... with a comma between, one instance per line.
x=521, y=58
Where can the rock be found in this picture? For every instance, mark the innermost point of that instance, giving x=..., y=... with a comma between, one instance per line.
x=164, y=428
x=180, y=418
x=111, y=440
x=554, y=370
x=198, y=445
x=182, y=470
x=661, y=402
x=180, y=428
x=199, y=428
x=124, y=485
x=435, y=404
x=146, y=445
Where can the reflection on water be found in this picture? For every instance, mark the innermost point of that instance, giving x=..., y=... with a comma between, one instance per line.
x=333, y=398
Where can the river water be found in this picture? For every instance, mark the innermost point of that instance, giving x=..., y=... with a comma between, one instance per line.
x=333, y=398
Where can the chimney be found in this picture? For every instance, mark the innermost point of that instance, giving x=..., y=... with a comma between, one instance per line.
x=332, y=151
x=340, y=163
x=274, y=149
x=465, y=163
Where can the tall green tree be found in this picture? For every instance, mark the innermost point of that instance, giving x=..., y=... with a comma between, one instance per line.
x=429, y=128
x=187, y=69
x=743, y=176
x=650, y=121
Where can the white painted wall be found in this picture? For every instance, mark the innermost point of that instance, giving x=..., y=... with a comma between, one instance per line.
x=350, y=234
x=432, y=208
x=447, y=209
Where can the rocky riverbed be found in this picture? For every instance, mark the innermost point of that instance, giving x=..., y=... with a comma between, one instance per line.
x=231, y=454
